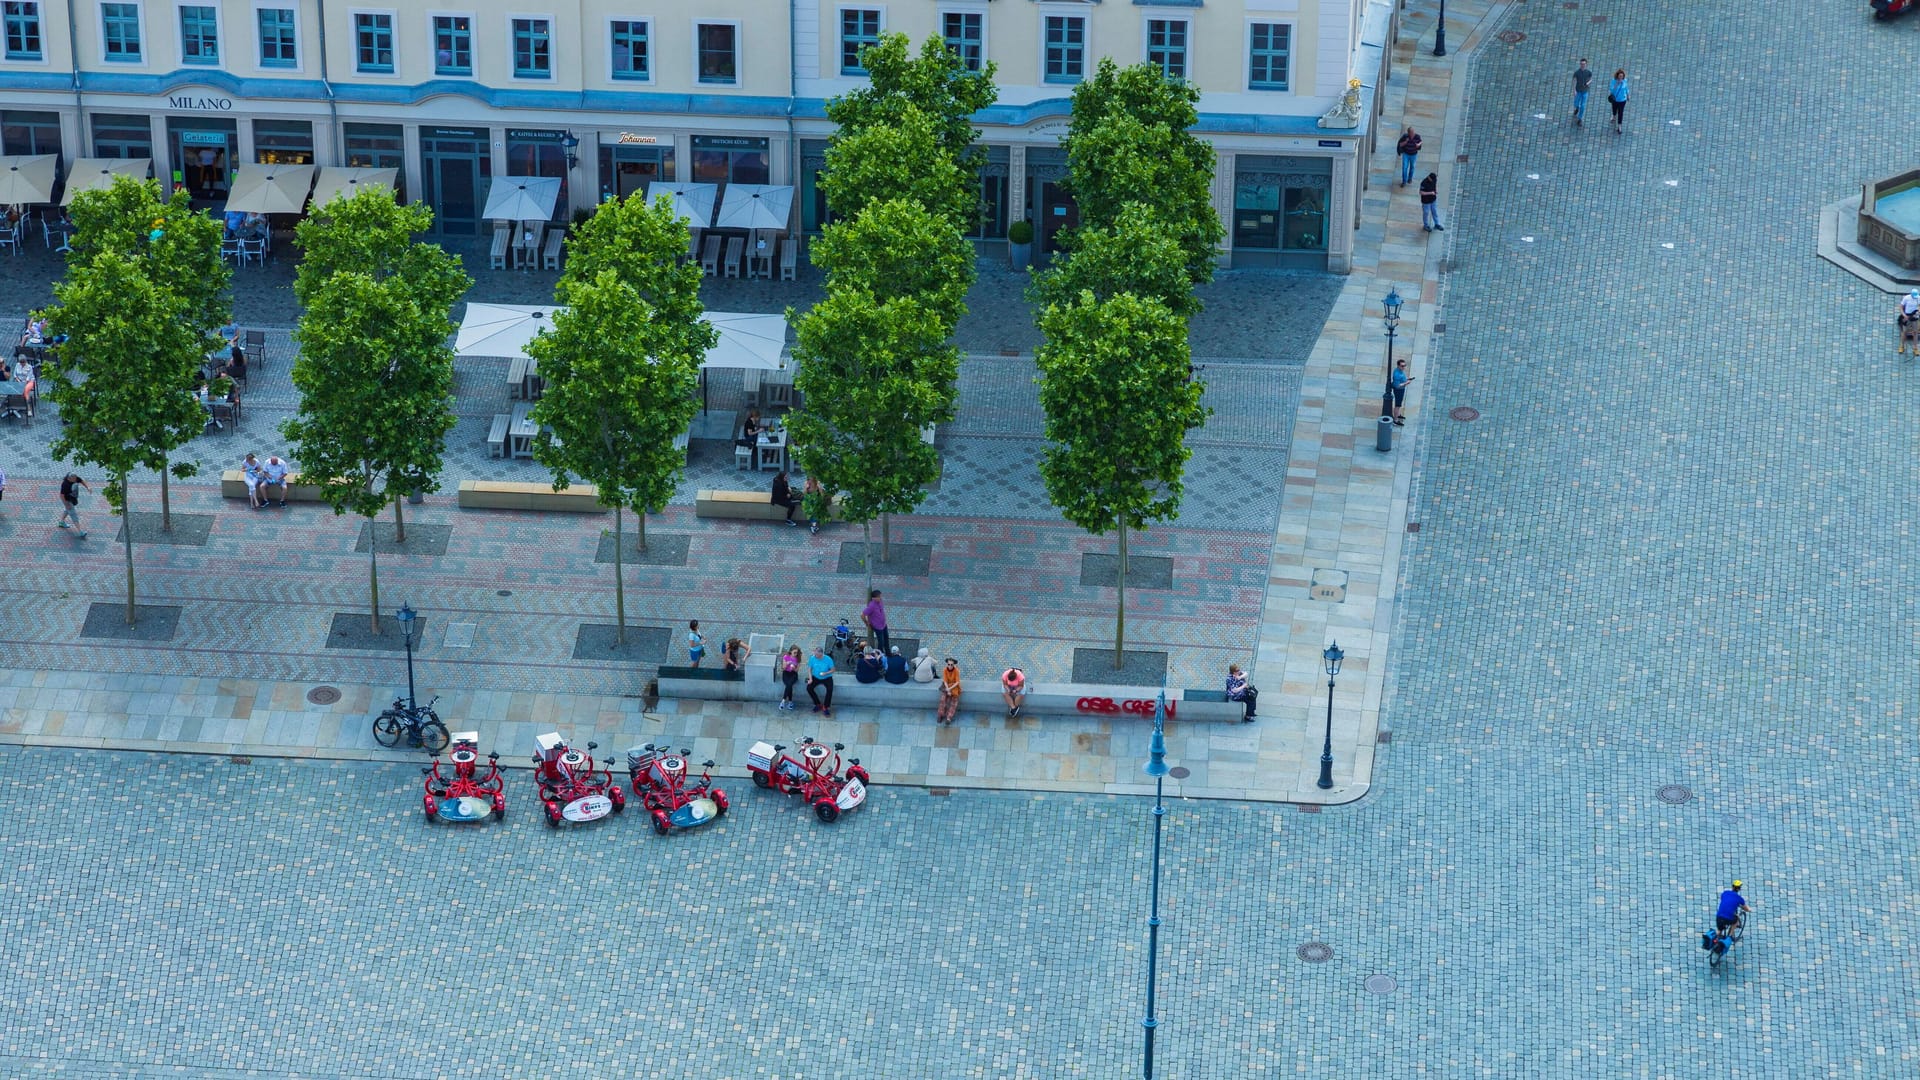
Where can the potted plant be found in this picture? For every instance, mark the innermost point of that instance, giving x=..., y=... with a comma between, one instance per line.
x=1019, y=243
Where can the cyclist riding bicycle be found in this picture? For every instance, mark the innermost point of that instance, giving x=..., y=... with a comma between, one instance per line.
x=1732, y=907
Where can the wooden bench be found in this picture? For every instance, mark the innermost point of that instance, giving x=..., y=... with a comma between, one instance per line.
x=550, y=254
x=710, y=257
x=789, y=258
x=507, y=495
x=233, y=485
x=736, y=245
x=497, y=258
x=497, y=436
x=750, y=505
x=517, y=378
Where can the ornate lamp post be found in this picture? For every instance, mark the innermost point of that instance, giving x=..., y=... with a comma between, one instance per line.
x=1156, y=767
x=1440, y=33
x=1332, y=656
x=1391, y=306
x=570, y=143
x=406, y=615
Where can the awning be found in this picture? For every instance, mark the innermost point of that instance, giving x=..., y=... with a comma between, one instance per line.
x=96, y=174
x=522, y=198
x=691, y=201
x=746, y=341
x=756, y=206
x=26, y=179
x=270, y=189
x=336, y=182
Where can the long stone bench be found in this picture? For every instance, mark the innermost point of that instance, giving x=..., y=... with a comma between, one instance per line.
x=751, y=505
x=760, y=682
x=509, y=495
x=233, y=485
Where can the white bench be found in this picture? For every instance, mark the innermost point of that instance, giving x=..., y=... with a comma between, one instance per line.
x=550, y=255
x=497, y=258
x=789, y=258
x=497, y=436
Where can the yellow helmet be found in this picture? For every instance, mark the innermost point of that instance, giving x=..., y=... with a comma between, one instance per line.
x=1736, y=886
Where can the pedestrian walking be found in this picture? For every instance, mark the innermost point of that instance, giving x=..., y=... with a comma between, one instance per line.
x=1617, y=97
x=1401, y=378
x=1430, y=203
x=1409, y=148
x=1582, y=82
x=1909, y=320
x=70, y=503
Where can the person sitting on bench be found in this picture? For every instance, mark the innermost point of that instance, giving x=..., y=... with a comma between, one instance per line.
x=783, y=496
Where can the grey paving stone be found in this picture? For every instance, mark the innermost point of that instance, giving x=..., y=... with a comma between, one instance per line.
x=151, y=622
x=901, y=559
x=644, y=644
x=1143, y=571
x=1138, y=667
x=423, y=540
x=663, y=549
x=188, y=530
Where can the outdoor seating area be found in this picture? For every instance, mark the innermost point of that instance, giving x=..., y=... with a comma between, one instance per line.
x=737, y=230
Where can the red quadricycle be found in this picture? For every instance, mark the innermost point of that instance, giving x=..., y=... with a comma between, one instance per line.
x=674, y=799
x=1887, y=9
x=813, y=774
x=465, y=793
x=571, y=788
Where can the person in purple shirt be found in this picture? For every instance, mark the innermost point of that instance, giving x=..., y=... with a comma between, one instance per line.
x=875, y=616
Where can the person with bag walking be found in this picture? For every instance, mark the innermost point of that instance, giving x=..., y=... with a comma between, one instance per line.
x=1409, y=148
x=1430, y=204
x=1617, y=97
x=70, y=503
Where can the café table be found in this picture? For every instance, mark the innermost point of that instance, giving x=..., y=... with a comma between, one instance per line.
x=771, y=453
x=10, y=389
x=521, y=431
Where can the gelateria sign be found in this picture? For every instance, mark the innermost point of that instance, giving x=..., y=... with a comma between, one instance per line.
x=199, y=104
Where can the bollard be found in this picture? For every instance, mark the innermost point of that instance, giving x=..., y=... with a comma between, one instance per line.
x=1383, y=435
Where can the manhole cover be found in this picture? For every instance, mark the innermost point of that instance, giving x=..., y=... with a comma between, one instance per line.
x=1413, y=526
x=1512, y=37
x=1381, y=984
x=1464, y=413
x=1384, y=737
x=323, y=695
x=1675, y=794
x=1315, y=952
x=1179, y=772
x=240, y=759
x=503, y=592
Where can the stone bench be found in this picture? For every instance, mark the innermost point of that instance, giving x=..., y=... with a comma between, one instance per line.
x=233, y=485
x=509, y=495
x=760, y=682
x=751, y=505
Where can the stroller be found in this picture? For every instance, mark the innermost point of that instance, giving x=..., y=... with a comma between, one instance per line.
x=843, y=644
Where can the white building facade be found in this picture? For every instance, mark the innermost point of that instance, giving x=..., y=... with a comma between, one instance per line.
x=609, y=95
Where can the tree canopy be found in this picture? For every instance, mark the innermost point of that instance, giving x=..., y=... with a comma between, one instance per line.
x=936, y=84
x=898, y=248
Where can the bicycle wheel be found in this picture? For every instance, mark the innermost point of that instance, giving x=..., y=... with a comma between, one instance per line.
x=386, y=728
x=433, y=736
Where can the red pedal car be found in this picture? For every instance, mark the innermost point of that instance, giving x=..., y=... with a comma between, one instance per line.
x=674, y=800
x=814, y=775
x=571, y=789
x=467, y=795
x=1887, y=9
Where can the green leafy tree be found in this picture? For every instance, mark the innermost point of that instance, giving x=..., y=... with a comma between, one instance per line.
x=1130, y=141
x=1113, y=382
x=375, y=372
x=179, y=249
x=901, y=162
x=873, y=375
x=936, y=84
x=1136, y=254
x=123, y=383
x=622, y=366
x=896, y=249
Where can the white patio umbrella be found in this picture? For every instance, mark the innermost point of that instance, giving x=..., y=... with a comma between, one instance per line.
x=502, y=329
x=691, y=201
x=522, y=198
x=271, y=189
x=336, y=182
x=96, y=174
x=747, y=341
x=26, y=179
x=756, y=206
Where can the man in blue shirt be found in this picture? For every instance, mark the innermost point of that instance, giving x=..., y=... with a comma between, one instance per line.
x=820, y=675
x=1732, y=906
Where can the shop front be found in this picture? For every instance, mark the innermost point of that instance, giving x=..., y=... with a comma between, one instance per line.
x=1049, y=207
x=455, y=170
x=630, y=160
x=116, y=136
x=205, y=151
x=1280, y=211
x=731, y=159
x=378, y=146
x=283, y=142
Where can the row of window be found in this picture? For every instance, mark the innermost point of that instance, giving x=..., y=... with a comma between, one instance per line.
x=716, y=45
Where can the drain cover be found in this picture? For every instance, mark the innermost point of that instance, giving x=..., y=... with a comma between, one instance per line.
x=323, y=695
x=1675, y=794
x=1179, y=772
x=1381, y=984
x=1464, y=413
x=1315, y=952
x=1511, y=37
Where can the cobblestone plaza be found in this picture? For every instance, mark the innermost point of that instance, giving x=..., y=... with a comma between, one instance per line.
x=1649, y=636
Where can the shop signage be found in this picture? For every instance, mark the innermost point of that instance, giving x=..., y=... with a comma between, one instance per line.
x=454, y=133
x=728, y=142
x=628, y=138
x=199, y=104
x=204, y=138
x=1333, y=144
x=524, y=135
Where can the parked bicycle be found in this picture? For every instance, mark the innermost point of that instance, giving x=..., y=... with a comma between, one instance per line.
x=418, y=723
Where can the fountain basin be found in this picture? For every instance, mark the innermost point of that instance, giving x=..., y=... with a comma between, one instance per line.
x=1890, y=218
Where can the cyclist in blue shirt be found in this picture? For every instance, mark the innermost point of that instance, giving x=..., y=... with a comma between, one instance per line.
x=1732, y=906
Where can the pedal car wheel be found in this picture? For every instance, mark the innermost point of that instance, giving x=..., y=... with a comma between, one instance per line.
x=433, y=736
x=386, y=729
x=553, y=816
x=427, y=807
x=660, y=823
x=826, y=811
x=860, y=773
x=719, y=803
x=500, y=811
x=760, y=780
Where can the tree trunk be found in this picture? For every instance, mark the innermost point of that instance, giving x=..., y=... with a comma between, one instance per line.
x=886, y=537
x=640, y=520
x=866, y=554
x=619, y=581
x=399, y=520
x=1120, y=610
x=373, y=575
x=126, y=529
x=166, y=504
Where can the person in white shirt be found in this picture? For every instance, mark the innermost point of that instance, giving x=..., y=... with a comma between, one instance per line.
x=275, y=472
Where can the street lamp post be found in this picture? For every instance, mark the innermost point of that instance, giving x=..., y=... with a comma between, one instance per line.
x=1156, y=767
x=1332, y=656
x=406, y=615
x=1391, y=305
x=1440, y=33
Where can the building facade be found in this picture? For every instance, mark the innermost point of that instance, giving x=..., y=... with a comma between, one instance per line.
x=608, y=95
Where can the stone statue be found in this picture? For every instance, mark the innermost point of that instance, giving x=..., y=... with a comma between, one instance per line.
x=1346, y=112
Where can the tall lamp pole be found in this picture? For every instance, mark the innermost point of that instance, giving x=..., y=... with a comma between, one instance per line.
x=1156, y=767
x=1440, y=33
x=1391, y=305
x=1332, y=656
x=406, y=616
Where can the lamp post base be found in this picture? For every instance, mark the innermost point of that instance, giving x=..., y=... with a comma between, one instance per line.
x=1326, y=771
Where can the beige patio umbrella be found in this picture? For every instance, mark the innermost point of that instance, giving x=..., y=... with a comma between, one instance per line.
x=96, y=174
x=271, y=189
x=336, y=182
x=26, y=179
